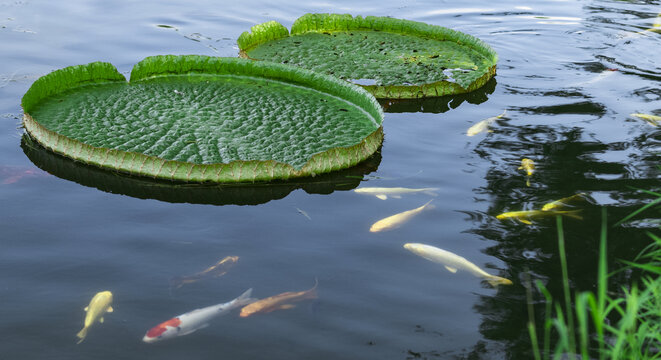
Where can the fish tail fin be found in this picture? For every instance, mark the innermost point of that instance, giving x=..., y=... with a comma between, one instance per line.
x=430, y=192
x=244, y=299
x=573, y=214
x=82, y=334
x=494, y=281
x=312, y=293
x=427, y=205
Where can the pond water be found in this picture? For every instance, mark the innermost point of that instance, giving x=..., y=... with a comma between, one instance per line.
x=569, y=75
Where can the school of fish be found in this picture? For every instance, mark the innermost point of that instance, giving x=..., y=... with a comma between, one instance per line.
x=197, y=319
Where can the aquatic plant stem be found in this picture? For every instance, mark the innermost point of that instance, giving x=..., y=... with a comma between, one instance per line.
x=565, y=284
x=531, y=318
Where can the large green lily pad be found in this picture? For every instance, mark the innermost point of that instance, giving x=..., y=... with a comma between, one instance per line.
x=199, y=118
x=391, y=58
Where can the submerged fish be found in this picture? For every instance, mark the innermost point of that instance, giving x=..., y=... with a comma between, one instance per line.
x=303, y=213
x=394, y=221
x=99, y=306
x=192, y=321
x=394, y=192
x=454, y=262
x=653, y=120
x=218, y=269
x=483, y=125
x=13, y=174
x=279, y=302
x=527, y=165
x=564, y=202
x=526, y=216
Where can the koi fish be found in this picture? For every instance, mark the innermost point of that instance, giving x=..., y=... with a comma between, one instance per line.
x=279, y=302
x=526, y=216
x=304, y=213
x=527, y=165
x=453, y=262
x=483, y=125
x=564, y=202
x=98, y=306
x=13, y=174
x=394, y=192
x=653, y=120
x=218, y=269
x=395, y=221
x=192, y=321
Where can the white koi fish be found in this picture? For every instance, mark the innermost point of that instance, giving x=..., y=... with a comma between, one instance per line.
x=394, y=192
x=483, y=125
x=99, y=306
x=397, y=220
x=453, y=262
x=192, y=321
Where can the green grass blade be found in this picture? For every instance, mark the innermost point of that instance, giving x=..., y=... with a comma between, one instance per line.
x=565, y=285
x=647, y=206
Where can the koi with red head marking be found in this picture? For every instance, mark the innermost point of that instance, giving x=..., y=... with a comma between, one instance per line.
x=192, y=321
x=157, y=332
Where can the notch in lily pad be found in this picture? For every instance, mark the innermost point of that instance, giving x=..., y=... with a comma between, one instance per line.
x=204, y=119
x=391, y=58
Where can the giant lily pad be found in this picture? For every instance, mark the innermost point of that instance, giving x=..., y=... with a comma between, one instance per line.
x=391, y=58
x=199, y=118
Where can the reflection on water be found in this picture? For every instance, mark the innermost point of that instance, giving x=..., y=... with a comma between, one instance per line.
x=439, y=104
x=215, y=194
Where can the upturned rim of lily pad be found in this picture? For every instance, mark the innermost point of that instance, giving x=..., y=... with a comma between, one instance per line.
x=135, y=163
x=318, y=23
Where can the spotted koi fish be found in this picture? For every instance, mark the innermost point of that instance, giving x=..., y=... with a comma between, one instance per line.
x=192, y=321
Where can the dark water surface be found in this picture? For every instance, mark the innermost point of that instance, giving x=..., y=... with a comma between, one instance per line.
x=71, y=231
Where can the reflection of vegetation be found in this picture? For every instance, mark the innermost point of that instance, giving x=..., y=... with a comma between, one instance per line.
x=438, y=104
x=216, y=194
x=569, y=162
x=625, y=326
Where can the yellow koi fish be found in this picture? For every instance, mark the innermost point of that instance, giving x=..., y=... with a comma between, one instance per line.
x=394, y=192
x=527, y=165
x=218, y=269
x=395, y=221
x=526, y=216
x=99, y=305
x=653, y=120
x=564, y=202
x=483, y=125
x=454, y=262
x=278, y=302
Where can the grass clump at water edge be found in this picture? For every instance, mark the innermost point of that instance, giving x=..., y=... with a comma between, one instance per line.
x=636, y=331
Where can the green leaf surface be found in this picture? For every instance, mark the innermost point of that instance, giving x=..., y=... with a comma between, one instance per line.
x=198, y=118
x=391, y=58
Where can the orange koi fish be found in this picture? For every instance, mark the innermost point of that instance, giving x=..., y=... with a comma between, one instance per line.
x=218, y=269
x=278, y=302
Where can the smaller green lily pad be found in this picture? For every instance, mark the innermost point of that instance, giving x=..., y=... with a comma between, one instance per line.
x=200, y=118
x=391, y=58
